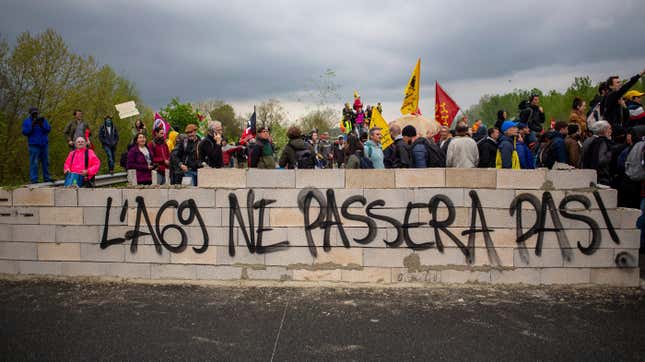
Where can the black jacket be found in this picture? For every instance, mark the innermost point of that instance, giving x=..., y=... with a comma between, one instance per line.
x=487, y=153
x=597, y=156
x=532, y=116
x=108, y=139
x=187, y=154
x=397, y=155
x=210, y=152
x=288, y=156
x=611, y=110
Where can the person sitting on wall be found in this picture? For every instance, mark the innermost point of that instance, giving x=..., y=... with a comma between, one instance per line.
x=81, y=165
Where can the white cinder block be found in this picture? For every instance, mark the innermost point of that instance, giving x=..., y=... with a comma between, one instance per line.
x=203, y=197
x=59, y=252
x=18, y=251
x=228, y=178
x=33, y=197
x=571, y=179
x=65, y=197
x=40, y=233
x=61, y=216
x=99, y=196
x=413, y=178
x=173, y=271
x=322, y=179
x=565, y=275
x=367, y=275
x=514, y=179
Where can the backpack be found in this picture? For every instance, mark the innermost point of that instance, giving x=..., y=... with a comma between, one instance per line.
x=515, y=158
x=304, y=158
x=634, y=163
x=365, y=162
x=436, y=157
x=545, y=157
x=90, y=181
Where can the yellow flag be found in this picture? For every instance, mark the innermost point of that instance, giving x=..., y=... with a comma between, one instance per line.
x=411, y=100
x=378, y=121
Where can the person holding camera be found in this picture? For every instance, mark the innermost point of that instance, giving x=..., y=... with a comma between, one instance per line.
x=37, y=129
x=140, y=159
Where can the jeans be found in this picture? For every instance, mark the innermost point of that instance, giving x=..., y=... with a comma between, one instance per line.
x=39, y=153
x=109, y=151
x=161, y=178
x=193, y=175
x=73, y=179
x=640, y=223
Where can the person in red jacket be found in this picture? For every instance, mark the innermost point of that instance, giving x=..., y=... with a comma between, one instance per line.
x=160, y=154
x=140, y=159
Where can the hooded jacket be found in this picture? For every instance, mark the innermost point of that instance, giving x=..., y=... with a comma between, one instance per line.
x=75, y=162
x=596, y=155
x=288, y=156
x=487, y=153
x=111, y=138
x=506, y=148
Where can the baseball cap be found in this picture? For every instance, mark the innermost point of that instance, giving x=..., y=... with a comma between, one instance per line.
x=508, y=124
x=633, y=93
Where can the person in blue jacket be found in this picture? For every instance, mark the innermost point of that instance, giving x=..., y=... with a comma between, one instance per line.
x=527, y=161
x=507, y=143
x=37, y=129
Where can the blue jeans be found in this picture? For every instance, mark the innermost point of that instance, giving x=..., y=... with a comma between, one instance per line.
x=39, y=153
x=640, y=223
x=73, y=179
x=193, y=175
x=109, y=151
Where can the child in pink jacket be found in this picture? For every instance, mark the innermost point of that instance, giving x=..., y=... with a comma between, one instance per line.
x=77, y=169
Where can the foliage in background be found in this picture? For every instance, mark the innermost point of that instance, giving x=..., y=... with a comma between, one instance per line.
x=556, y=105
x=179, y=115
x=41, y=71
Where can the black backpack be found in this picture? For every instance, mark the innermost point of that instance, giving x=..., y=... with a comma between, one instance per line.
x=436, y=157
x=365, y=162
x=304, y=159
x=545, y=157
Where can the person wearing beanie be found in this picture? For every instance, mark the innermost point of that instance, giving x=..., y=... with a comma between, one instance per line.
x=423, y=153
x=37, y=129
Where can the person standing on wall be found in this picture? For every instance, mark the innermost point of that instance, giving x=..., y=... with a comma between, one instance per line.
x=76, y=128
x=37, y=129
x=109, y=137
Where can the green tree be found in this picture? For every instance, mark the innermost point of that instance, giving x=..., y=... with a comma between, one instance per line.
x=270, y=113
x=179, y=115
x=41, y=71
x=320, y=119
x=226, y=114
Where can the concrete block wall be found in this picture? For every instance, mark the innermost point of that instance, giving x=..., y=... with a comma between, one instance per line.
x=53, y=231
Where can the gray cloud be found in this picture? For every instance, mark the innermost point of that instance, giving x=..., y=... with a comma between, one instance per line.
x=256, y=50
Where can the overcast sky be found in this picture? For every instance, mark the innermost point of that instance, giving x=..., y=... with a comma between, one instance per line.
x=245, y=52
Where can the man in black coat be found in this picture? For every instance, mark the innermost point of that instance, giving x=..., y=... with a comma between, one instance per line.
x=612, y=105
x=397, y=155
x=488, y=149
x=210, y=148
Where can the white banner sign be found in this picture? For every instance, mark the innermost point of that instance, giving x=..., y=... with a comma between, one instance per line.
x=127, y=109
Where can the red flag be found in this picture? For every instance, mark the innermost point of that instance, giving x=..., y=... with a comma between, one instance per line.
x=445, y=109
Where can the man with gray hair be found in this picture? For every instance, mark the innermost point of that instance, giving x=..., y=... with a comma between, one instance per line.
x=596, y=154
x=209, y=149
x=373, y=149
x=397, y=154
